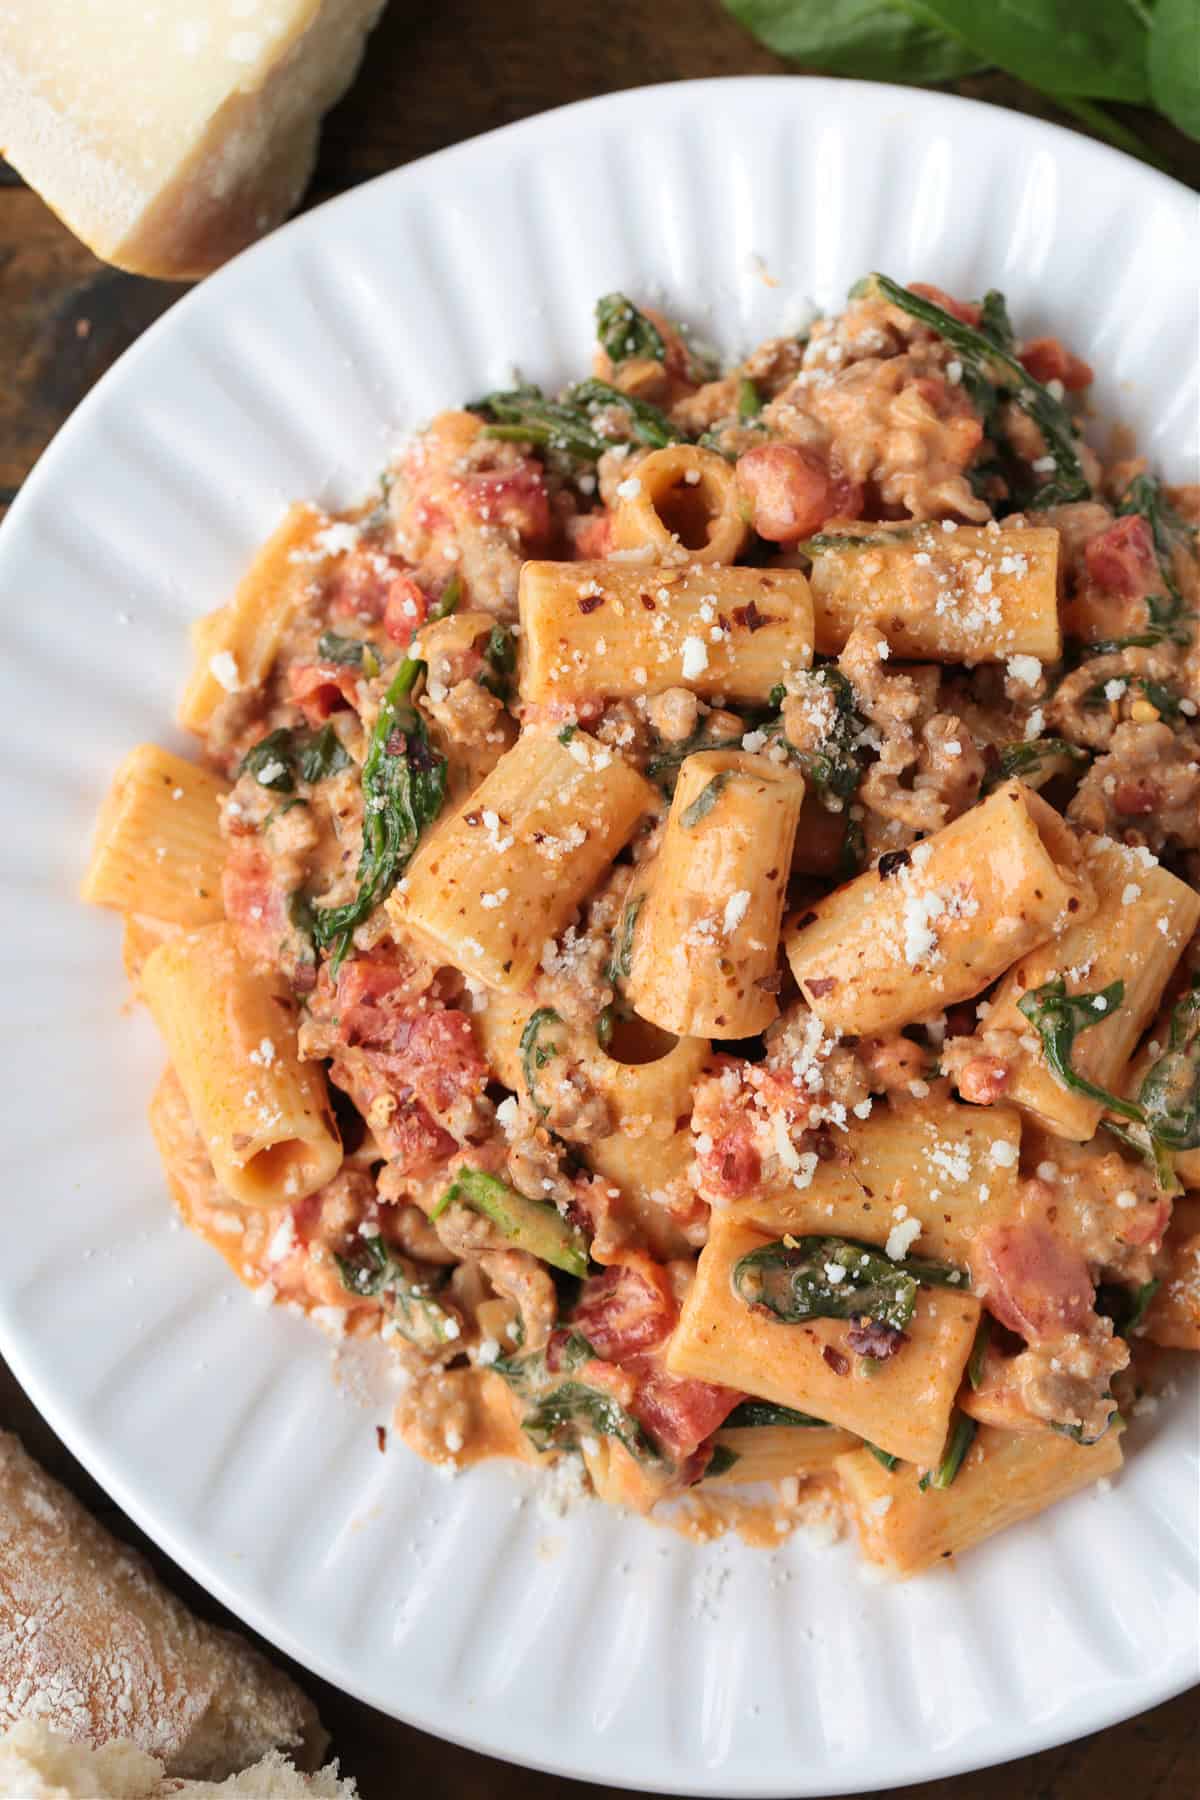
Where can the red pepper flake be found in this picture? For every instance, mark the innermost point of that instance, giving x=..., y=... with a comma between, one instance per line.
x=821, y=984
x=647, y=602
x=381, y=1438
x=836, y=1361
x=590, y=602
x=749, y=617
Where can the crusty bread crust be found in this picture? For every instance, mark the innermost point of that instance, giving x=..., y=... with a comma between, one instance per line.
x=92, y=1643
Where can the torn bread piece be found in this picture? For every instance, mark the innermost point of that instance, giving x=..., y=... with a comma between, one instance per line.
x=93, y=1644
x=37, y=1763
x=168, y=145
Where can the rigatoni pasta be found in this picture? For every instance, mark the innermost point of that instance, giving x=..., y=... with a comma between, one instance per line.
x=631, y=629
x=659, y=929
x=706, y=939
x=934, y=925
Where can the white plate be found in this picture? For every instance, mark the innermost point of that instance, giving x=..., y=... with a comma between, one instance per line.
x=593, y=1645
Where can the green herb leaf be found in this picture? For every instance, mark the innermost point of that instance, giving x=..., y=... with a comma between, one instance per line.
x=270, y=761
x=535, y=1054
x=979, y=1349
x=962, y=1436
x=1126, y=1307
x=500, y=655
x=1059, y=1017
x=649, y=425
x=322, y=755
x=720, y=1462
x=797, y=1280
x=705, y=800
x=1170, y=1092
x=374, y=1268
x=750, y=401
x=884, y=1457
x=1076, y=1432
x=1030, y=756
x=560, y=1412
x=1144, y=497
x=403, y=787
x=532, y=1225
x=624, y=331
x=451, y=595
x=621, y=960
x=1098, y=50
x=764, y=1412
x=1172, y=62
x=995, y=372
x=867, y=38
x=333, y=648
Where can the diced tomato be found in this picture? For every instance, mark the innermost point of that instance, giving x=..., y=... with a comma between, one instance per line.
x=1032, y=1280
x=362, y=584
x=967, y=310
x=255, y=907
x=626, y=1310
x=677, y=1412
x=845, y=495
x=733, y=1166
x=437, y=1053
x=515, y=498
x=360, y=1001
x=405, y=609
x=1121, y=559
x=322, y=688
x=406, y=1133
x=1049, y=360
x=788, y=490
x=593, y=536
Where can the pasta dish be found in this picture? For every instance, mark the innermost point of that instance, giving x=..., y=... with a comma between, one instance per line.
x=683, y=923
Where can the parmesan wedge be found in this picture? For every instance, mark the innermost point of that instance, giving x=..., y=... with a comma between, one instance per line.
x=168, y=134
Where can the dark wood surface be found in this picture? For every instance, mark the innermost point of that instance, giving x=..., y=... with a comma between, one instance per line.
x=436, y=73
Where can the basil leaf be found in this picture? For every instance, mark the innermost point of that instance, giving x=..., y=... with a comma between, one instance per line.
x=1171, y=61
x=403, y=787
x=1058, y=1018
x=962, y=1436
x=1170, y=1092
x=534, y=1054
x=798, y=1279
x=868, y=38
x=995, y=373
x=624, y=332
x=270, y=761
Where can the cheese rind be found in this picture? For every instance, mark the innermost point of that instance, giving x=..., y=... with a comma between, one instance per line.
x=169, y=143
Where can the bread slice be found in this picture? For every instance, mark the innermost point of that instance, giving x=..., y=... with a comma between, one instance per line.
x=92, y=1643
x=167, y=140
x=39, y=1764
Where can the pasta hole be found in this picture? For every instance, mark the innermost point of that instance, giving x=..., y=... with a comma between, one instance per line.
x=687, y=509
x=272, y=1167
x=637, y=1041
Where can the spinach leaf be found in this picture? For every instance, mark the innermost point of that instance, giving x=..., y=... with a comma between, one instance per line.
x=1126, y=1307
x=1058, y=1018
x=995, y=373
x=322, y=755
x=562, y=1408
x=531, y=1374
x=624, y=331
x=705, y=800
x=500, y=655
x=764, y=1412
x=663, y=766
x=869, y=38
x=1166, y=615
x=451, y=595
x=962, y=1436
x=270, y=761
x=1098, y=50
x=532, y=1225
x=1148, y=1150
x=650, y=426
x=834, y=768
x=1028, y=757
x=403, y=787
x=1170, y=1092
x=534, y=1054
x=750, y=401
x=720, y=1462
x=797, y=1279
x=1174, y=79
x=621, y=960
x=605, y=1020
x=979, y=1349
x=884, y=1457
x=374, y=1268
x=524, y=415
x=1076, y=1432
x=348, y=651
x=995, y=323
x=1144, y=497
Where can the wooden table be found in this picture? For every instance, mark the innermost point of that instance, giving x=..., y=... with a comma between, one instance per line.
x=436, y=73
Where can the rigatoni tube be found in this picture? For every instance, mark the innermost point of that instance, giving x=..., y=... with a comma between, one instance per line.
x=707, y=938
x=935, y=924
x=622, y=629
x=504, y=872
x=231, y=1034
x=1142, y=919
x=158, y=848
x=681, y=502
x=971, y=594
